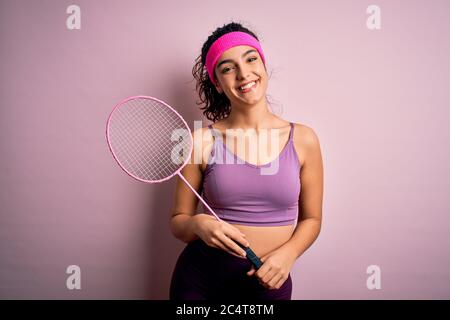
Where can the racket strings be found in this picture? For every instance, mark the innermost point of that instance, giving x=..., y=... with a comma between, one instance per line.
x=143, y=145
x=131, y=150
x=157, y=135
x=143, y=134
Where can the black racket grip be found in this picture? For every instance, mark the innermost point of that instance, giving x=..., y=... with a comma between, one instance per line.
x=251, y=256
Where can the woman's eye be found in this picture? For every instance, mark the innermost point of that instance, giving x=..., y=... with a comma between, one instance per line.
x=225, y=70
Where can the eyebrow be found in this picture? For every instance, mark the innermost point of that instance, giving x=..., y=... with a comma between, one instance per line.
x=229, y=60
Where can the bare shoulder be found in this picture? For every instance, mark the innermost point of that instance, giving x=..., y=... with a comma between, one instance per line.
x=202, y=145
x=305, y=141
x=305, y=135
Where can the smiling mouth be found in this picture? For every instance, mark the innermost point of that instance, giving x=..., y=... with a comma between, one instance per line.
x=248, y=87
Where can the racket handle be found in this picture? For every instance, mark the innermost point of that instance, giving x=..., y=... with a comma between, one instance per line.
x=251, y=256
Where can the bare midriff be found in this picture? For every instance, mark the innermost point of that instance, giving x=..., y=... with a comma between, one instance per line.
x=266, y=239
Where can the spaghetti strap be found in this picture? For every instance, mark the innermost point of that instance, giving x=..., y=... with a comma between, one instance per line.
x=215, y=133
x=213, y=151
x=211, y=129
x=291, y=133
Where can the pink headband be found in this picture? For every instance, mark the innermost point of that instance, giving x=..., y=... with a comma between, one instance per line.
x=225, y=42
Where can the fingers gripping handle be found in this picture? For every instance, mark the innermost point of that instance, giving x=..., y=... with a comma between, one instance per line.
x=251, y=256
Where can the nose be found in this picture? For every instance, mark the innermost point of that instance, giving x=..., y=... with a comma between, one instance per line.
x=243, y=72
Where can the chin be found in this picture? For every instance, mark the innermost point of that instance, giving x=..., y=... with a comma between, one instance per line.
x=252, y=101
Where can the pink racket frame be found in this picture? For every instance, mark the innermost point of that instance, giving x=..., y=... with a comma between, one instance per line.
x=178, y=172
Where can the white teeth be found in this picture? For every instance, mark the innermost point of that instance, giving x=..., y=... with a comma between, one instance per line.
x=248, y=85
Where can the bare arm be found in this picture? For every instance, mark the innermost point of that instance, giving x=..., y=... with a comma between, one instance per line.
x=182, y=223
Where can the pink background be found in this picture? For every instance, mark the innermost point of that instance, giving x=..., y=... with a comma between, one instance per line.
x=377, y=99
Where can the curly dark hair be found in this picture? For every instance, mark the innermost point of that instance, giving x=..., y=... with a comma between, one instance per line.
x=217, y=106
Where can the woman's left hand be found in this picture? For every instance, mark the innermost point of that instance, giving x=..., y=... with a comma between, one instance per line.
x=275, y=268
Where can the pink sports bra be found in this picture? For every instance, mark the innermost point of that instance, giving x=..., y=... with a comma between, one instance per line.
x=247, y=194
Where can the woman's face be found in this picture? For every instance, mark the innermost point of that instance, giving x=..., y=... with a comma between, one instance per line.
x=238, y=66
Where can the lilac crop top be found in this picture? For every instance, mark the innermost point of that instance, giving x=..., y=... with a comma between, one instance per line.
x=240, y=193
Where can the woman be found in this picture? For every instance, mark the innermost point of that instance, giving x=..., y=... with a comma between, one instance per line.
x=264, y=211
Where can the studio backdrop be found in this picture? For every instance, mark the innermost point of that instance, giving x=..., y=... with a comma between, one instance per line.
x=370, y=77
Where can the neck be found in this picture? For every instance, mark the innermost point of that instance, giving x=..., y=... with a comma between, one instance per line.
x=255, y=116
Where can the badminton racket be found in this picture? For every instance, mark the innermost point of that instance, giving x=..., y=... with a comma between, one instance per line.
x=152, y=143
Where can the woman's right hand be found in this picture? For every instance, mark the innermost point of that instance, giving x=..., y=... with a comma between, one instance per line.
x=219, y=234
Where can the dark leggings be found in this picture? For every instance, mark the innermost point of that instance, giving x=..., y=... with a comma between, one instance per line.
x=206, y=273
